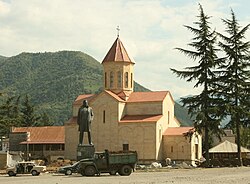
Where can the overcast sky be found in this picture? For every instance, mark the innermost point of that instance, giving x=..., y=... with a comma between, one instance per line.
x=150, y=30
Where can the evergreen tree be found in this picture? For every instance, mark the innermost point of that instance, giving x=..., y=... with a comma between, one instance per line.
x=233, y=82
x=29, y=118
x=9, y=114
x=204, y=106
x=44, y=120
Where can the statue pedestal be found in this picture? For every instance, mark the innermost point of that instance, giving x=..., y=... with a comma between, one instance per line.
x=85, y=151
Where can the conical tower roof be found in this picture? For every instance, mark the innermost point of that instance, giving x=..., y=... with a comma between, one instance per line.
x=117, y=53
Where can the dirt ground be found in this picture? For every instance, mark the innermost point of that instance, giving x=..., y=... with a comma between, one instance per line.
x=176, y=176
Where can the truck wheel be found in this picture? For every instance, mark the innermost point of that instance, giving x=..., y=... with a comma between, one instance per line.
x=90, y=170
x=34, y=173
x=82, y=172
x=68, y=172
x=11, y=173
x=125, y=170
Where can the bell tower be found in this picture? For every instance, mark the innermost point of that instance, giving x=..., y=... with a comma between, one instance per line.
x=118, y=70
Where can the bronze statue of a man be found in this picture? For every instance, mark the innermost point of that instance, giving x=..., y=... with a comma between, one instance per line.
x=84, y=118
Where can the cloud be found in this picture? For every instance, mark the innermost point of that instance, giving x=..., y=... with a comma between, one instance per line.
x=150, y=30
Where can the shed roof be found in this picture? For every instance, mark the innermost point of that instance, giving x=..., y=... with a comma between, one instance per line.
x=140, y=118
x=177, y=130
x=227, y=147
x=43, y=135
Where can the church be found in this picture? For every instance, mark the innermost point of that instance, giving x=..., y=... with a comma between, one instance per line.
x=128, y=120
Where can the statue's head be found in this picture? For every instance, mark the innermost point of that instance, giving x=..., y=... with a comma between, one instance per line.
x=85, y=103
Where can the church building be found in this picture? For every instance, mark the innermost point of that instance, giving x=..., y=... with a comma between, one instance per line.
x=128, y=120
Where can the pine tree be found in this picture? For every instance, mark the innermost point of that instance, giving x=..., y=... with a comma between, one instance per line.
x=234, y=76
x=9, y=114
x=202, y=106
x=44, y=120
x=29, y=118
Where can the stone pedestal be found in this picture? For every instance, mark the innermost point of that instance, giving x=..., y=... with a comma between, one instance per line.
x=85, y=151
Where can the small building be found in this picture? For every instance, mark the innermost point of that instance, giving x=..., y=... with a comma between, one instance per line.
x=182, y=144
x=38, y=142
x=227, y=149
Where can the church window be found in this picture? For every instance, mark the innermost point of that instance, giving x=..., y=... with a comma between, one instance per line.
x=196, y=151
x=160, y=135
x=111, y=80
x=131, y=80
x=182, y=149
x=105, y=79
x=172, y=149
x=168, y=117
x=104, y=117
x=125, y=147
x=119, y=77
x=126, y=80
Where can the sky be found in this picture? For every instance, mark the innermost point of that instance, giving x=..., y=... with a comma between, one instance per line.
x=149, y=29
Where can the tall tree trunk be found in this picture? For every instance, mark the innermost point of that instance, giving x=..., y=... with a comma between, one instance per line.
x=206, y=147
x=238, y=139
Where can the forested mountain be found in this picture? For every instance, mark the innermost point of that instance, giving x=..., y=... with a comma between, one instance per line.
x=54, y=80
x=182, y=115
x=2, y=58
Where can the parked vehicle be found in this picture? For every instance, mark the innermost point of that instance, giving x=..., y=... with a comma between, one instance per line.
x=109, y=162
x=69, y=169
x=25, y=167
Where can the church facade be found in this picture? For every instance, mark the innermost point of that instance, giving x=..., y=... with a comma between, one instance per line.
x=128, y=120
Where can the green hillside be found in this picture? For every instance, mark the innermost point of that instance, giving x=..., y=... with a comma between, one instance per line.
x=2, y=58
x=53, y=80
x=182, y=115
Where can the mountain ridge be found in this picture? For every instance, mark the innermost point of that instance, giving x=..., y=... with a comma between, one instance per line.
x=53, y=80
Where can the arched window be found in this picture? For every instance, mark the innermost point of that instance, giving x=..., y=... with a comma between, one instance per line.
x=160, y=136
x=105, y=79
x=168, y=117
x=119, y=79
x=126, y=80
x=104, y=117
x=111, y=80
x=132, y=80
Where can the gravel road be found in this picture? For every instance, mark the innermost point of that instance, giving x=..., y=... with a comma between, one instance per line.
x=175, y=176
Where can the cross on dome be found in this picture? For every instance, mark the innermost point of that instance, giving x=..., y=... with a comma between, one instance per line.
x=118, y=30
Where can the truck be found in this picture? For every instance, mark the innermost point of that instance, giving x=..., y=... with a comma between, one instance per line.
x=122, y=162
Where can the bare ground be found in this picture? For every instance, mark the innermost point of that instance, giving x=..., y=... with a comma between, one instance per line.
x=234, y=175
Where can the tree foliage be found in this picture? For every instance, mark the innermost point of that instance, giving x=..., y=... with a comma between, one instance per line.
x=29, y=118
x=18, y=112
x=233, y=80
x=203, y=106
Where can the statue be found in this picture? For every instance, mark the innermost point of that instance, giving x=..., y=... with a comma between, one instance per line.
x=85, y=116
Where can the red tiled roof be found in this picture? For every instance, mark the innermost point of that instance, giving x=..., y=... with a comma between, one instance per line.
x=140, y=118
x=43, y=135
x=177, y=130
x=117, y=53
x=154, y=96
x=114, y=95
x=80, y=98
